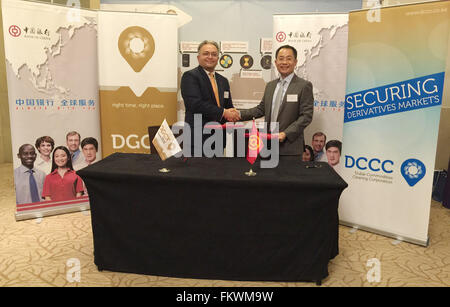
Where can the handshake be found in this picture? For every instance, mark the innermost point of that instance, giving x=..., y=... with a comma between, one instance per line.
x=232, y=115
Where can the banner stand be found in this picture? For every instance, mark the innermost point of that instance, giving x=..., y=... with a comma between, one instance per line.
x=50, y=208
x=385, y=234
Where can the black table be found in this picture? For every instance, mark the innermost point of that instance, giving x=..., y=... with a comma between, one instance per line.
x=206, y=219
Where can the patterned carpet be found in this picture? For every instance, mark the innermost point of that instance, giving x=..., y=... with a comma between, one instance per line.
x=38, y=254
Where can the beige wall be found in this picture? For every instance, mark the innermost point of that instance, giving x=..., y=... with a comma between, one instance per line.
x=443, y=147
x=5, y=130
x=370, y=3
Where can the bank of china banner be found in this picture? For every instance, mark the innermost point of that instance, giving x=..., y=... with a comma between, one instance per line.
x=321, y=43
x=137, y=77
x=395, y=76
x=51, y=68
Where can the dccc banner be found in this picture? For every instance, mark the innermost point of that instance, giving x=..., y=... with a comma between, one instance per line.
x=395, y=77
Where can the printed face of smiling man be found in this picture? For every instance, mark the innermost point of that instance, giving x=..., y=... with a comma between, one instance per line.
x=27, y=155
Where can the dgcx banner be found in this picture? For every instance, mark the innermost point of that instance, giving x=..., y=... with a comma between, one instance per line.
x=395, y=76
x=137, y=76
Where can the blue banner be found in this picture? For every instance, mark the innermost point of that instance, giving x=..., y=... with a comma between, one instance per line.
x=413, y=94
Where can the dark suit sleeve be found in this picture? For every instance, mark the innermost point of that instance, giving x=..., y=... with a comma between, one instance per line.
x=305, y=114
x=194, y=101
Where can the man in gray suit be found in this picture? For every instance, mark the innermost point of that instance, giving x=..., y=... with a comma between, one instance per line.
x=288, y=100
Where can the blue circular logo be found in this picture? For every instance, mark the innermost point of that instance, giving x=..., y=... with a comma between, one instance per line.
x=413, y=171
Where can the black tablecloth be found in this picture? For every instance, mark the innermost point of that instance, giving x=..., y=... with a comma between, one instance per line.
x=206, y=219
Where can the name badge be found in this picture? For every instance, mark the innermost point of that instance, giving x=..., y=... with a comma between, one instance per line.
x=226, y=94
x=291, y=98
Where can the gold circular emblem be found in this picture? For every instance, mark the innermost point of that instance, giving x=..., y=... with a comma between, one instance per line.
x=137, y=46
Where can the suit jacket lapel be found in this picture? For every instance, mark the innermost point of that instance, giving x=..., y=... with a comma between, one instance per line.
x=272, y=86
x=208, y=83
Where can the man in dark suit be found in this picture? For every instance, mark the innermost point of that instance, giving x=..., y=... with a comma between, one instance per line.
x=288, y=101
x=206, y=93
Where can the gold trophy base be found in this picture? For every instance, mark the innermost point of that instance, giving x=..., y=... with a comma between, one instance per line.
x=250, y=173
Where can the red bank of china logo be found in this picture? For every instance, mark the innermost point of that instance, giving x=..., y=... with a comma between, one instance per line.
x=29, y=32
x=14, y=31
x=281, y=36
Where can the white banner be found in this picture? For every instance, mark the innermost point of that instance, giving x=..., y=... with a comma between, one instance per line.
x=137, y=77
x=51, y=67
x=321, y=44
x=395, y=77
x=137, y=50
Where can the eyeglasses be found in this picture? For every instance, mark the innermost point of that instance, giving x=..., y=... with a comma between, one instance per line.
x=210, y=54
